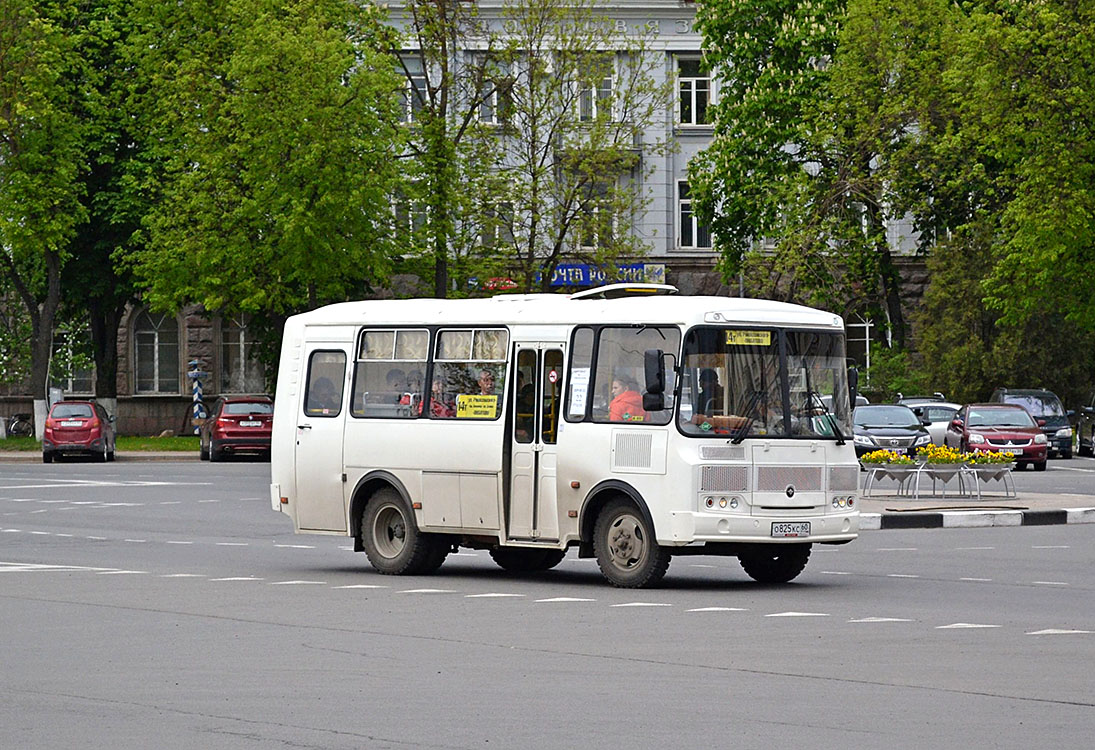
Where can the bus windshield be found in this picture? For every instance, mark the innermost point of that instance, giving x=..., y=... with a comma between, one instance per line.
x=763, y=383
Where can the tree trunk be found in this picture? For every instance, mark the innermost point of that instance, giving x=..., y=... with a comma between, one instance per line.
x=43, y=315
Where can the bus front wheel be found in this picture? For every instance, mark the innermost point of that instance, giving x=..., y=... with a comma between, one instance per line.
x=772, y=563
x=392, y=541
x=627, y=553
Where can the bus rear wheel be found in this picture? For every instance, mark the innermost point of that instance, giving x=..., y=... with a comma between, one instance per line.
x=627, y=553
x=518, y=560
x=774, y=563
x=392, y=541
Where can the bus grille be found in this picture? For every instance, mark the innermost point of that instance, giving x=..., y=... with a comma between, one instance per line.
x=633, y=450
x=722, y=452
x=778, y=478
x=843, y=478
x=724, y=479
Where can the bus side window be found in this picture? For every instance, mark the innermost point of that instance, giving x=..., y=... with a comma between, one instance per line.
x=326, y=374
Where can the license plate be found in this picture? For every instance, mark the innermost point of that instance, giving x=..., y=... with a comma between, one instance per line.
x=71, y=423
x=250, y=423
x=799, y=528
x=1013, y=451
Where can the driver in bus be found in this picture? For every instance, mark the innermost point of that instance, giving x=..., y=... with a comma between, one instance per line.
x=322, y=397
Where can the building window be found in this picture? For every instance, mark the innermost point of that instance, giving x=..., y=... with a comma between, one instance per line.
x=693, y=93
x=497, y=225
x=496, y=108
x=72, y=367
x=241, y=372
x=415, y=88
x=690, y=232
x=156, y=353
x=596, y=101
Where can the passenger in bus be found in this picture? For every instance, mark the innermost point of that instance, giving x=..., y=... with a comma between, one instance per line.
x=438, y=406
x=322, y=397
x=526, y=408
x=397, y=384
x=710, y=394
x=627, y=403
x=486, y=382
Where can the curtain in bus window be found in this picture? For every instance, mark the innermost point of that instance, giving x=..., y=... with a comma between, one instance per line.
x=731, y=383
x=618, y=384
x=389, y=379
x=326, y=374
x=469, y=373
x=816, y=374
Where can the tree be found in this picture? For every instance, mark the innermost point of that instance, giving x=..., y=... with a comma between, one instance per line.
x=579, y=103
x=41, y=152
x=277, y=122
x=817, y=105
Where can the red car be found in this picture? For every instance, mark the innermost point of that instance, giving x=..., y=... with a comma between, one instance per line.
x=998, y=427
x=78, y=427
x=238, y=424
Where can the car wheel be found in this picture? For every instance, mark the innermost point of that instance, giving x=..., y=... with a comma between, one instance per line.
x=203, y=452
x=1066, y=454
x=1021, y=466
x=101, y=457
x=47, y=458
x=1040, y=466
x=627, y=553
x=110, y=456
x=775, y=563
x=214, y=454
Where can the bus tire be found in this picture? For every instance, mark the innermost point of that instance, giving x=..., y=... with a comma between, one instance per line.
x=627, y=553
x=392, y=541
x=518, y=560
x=775, y=563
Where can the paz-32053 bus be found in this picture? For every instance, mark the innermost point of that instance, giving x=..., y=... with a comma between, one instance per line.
x=628, y=421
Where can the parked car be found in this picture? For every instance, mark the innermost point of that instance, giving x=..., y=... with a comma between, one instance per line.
x=936, y=416
x=1084, y=427
x=238, y=424
x=1046, y=408
x=889, y=426
x=78, y=428
x=999, y=427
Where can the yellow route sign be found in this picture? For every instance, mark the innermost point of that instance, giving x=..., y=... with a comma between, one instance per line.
x=749, y=338
x=476, y=407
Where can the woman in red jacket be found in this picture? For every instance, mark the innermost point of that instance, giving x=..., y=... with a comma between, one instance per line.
x=627, y=403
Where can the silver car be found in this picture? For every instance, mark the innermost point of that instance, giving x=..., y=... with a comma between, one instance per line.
x=938, y=414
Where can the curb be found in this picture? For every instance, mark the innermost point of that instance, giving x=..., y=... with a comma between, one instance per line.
x=974, y=519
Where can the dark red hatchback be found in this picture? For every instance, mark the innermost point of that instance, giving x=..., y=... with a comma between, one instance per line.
x=78, y=427
x=998, y=427
x=238, y=424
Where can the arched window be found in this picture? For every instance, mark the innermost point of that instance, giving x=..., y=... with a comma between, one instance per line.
x=156, y=353
x=241, y=372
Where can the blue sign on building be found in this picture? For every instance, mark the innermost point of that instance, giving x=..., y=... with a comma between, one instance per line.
x=584, y=274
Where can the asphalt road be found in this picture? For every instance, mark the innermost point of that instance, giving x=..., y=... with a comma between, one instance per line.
x=165, y=605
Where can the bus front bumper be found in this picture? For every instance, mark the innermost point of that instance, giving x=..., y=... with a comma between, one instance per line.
x=690, y=527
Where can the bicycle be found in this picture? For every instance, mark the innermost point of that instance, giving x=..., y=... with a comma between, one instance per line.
x=20, y=425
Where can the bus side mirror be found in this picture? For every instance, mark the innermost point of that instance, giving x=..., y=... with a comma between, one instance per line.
x=853, y=385
x=654, y=368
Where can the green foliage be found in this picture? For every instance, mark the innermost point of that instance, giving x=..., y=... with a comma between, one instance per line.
x=277, y=122
x=894, y=371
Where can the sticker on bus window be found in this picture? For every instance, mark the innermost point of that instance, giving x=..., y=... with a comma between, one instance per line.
x=579, y=388
x=749, y=338
x=476, y=407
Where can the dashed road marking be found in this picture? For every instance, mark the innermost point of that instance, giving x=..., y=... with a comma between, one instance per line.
x=901, y=575
x=556, y=599
x=718, y=609
x=1049, y=583
x=964, y=626
x=492, y=596
x=426, y=591
x=880, y=619
x=362, y=586
x=641, y=604
x=798, y=614
x=1053, y=631
x=238, y=578
x=298, y=583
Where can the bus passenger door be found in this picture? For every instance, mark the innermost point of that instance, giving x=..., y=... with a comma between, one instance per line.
x=319, y=428
x=533, y=505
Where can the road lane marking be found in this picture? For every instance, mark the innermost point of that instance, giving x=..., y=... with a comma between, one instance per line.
x=426, y=591
x=492, y=596
x=182, y=575
x=881, y=619
x=1054, y=631
x=964, y=626
x=295, y=546
x=238, y=578
x=555, y=599
x=977, y=580
x=901, y=575
x=175, y=541
x=122, y=572
x=233, y=544
x=717, y=609
x=1049, y=583
x=835, y=572
x=362, y=586
x=1051, y=546
x=641, y=604
x=298, y=583
x=798, y=614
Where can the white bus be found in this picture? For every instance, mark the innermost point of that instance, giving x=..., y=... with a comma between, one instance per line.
x=627, y=421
